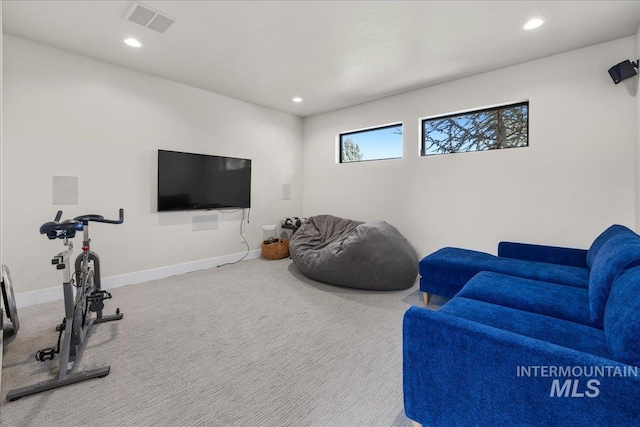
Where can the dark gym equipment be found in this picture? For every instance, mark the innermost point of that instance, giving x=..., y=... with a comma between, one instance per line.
x=9, y=302
x=89, y=298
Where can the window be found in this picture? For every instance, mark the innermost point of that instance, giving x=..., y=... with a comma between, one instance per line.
x=506, y=126
x=371, y=144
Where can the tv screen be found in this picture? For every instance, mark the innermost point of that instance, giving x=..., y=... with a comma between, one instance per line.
x=189, y=181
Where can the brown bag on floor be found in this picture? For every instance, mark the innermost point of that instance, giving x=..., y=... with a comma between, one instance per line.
x=275, y=248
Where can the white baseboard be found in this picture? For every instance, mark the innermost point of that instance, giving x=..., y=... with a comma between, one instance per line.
x=26, y=299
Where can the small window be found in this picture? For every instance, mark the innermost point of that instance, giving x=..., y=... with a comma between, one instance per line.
x=494, y=128
x=371, y=144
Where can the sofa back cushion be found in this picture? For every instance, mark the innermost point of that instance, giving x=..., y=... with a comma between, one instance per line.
x=614, y=256
x=614, y=230
x=622, y=318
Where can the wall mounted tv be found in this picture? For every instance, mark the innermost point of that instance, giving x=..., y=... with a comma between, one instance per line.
x=188, y=181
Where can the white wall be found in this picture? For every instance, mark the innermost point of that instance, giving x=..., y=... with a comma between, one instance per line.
x=62, y=110
x=576, y=178
x=66, y=114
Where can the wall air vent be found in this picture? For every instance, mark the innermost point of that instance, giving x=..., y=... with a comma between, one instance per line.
x=147, y=17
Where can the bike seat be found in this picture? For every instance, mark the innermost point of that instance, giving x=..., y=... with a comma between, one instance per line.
x=61, y=230
x=88, y=217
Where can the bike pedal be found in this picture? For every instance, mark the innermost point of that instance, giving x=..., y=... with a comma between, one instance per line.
x=96, y=306
x=96, y=299
x=61, y=327
x=46, y=354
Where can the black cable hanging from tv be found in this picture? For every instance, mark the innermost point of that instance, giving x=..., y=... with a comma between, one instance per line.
x=241, y=235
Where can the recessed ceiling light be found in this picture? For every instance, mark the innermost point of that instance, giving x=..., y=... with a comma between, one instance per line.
x=533, y=23
x=297, y=99
x=133, y=42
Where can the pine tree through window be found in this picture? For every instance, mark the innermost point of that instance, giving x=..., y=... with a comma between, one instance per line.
x=505, y=126
x=379, y=143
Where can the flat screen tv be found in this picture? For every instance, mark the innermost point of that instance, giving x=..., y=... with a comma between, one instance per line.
x=188, y=181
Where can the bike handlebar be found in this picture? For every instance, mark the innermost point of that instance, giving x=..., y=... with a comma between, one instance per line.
x=95, y=218
x=110, y=221
x=99, y=218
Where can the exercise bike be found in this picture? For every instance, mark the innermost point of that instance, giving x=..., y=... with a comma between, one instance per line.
x=80, y=305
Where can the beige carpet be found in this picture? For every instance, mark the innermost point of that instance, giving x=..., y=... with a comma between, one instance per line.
x=251, y=344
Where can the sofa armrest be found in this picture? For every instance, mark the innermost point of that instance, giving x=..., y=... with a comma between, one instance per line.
x=458, y=372
x=551, y=254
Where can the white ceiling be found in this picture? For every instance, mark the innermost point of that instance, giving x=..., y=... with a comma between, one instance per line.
x=331, y=53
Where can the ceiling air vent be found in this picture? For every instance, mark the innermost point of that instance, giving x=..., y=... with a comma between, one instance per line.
x=147, y=17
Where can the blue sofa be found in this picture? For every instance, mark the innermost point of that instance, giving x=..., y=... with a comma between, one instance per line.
x=446, y=271
x=535, y=336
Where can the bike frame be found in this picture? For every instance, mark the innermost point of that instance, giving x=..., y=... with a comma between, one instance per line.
x=77, y=324
x=83, y=267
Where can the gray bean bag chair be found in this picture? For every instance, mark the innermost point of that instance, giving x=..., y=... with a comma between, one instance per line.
x=354, y=254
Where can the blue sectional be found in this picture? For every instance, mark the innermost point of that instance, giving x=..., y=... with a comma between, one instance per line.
x=521, y=343
x=446, y=271
x=561, y=302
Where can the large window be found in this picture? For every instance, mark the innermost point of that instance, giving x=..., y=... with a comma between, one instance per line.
x=506, y=126
x=371, y=144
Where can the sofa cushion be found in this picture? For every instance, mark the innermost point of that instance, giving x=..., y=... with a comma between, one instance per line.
x=616, y=254
x=550, y=299
x=622, y=318
x=543, y=253
x=446, y=271
x=556, y=331
x=614, y=230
